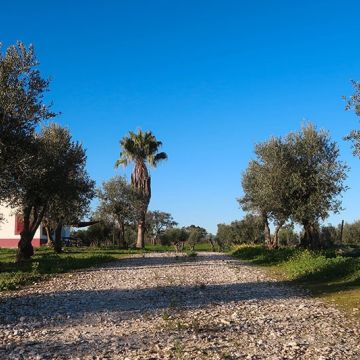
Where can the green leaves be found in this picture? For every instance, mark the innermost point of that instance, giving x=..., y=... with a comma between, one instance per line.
x=140, y=147
x=118, y=202
x=297, y=177
x=21, y=108
x=354, y=103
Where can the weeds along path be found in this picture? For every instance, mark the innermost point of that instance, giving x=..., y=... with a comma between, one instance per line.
x=164, y=306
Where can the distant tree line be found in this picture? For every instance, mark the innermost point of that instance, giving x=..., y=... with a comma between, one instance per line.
x=117, y=216
x=250, y=231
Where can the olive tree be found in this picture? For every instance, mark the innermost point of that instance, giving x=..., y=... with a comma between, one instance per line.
x=69, y=202
x=22, y=89
x=354, y=103
x=265, y=186
x=247, y=230
x=315, y=180
x=56, y=178
x=196, y=234
x=119, y=205
x=298, y=177
x=157, y=222
x=176, y=237
x=352, y=233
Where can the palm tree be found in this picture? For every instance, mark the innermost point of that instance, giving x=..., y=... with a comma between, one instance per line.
x=142, y=149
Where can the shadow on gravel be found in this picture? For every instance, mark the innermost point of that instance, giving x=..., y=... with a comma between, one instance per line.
x=173, y=259
x=75, y=304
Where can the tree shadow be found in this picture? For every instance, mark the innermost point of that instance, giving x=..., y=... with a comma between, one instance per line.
x=147, y=260
x=78, y=303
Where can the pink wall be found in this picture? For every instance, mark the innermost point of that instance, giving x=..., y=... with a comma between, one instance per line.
x=13, y=243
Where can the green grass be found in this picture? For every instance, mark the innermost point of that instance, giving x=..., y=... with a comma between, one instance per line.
x=191, y=254
x=329, y=276
x=45, y=262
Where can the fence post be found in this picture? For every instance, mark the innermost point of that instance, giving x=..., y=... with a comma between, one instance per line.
x=341, y=231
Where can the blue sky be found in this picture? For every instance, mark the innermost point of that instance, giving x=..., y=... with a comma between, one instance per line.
x=209, y=78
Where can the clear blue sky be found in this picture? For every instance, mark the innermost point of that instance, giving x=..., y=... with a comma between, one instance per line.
x=209, y=78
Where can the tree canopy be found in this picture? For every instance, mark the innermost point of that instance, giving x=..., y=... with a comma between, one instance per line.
x=69, y=201
x=298, y=177
x=55, y=184
x=119, y=205
x=157, y=222
x=265, y=186
x=22, y=90
x=354, y=103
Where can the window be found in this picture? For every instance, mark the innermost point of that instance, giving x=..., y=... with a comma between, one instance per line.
x=19, y=225
x=43, y=230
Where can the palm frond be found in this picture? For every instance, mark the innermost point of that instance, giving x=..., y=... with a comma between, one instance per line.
x=121, y=162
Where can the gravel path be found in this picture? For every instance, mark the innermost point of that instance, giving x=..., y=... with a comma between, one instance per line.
x=163, y=306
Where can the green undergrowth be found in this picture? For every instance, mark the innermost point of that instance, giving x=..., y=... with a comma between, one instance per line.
x=333, y=277
x=45, y=262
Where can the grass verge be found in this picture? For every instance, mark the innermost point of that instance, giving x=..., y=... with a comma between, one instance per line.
x=45, y=262
x=332, y=277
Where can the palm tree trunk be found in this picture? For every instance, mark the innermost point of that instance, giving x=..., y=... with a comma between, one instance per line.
x=140, y=242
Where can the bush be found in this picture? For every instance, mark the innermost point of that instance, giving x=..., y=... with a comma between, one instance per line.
x=191, y=253
x=352, y=233
x=263, y=256
x=174, y=236
x=308, y=266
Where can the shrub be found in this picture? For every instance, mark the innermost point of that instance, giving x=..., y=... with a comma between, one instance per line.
x=263, y=256
x=308, y=265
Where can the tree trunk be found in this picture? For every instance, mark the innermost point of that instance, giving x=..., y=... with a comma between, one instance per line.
x=311, y=237
x=140, y=243
x=122, y=242
x=114, y=236
x=25, y=249
x=50, y=240
x=275, y=240
x=58, y=237
x=341, y=231
x=212, y=243
x=123, y=239
x=267, y=234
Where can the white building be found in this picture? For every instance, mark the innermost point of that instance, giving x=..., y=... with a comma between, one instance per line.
x=11, y=227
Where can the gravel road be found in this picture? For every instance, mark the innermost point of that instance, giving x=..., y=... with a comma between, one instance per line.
x=164, y=306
